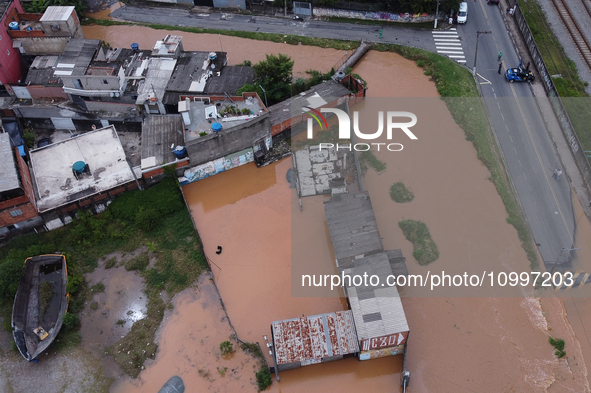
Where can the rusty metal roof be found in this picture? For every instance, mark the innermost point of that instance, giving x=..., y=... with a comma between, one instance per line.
x=314, y=337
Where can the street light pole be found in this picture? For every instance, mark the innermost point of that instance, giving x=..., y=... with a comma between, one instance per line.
x=478, y=33
x=436, y=12
x=265, y=95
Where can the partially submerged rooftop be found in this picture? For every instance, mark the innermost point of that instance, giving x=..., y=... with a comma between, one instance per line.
x=308, y=340
x=353, y=228
x=377, y=311
x=318, y=171
x=8, y=170
x=52, y=165
x=160, y=135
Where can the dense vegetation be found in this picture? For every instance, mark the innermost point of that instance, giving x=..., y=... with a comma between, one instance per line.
x=156, y=217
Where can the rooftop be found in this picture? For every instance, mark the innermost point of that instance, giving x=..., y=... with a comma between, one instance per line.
x=168, y=46
x=314, y=97
x=200, y=115
x=41, y=72
x=193, y=69
x=157, y=77
x=353, y=228
x=318, y=171
x=309, y=339
x=77, y=56
x=377, y=311
x=57, y=13
x=160, y=135
x=52, y=168
x=8, y=171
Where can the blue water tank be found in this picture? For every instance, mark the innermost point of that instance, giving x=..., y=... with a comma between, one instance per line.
x=13, y=26
x=135, y=46
x=180, y=151
x=216, y=127
x=79, y=166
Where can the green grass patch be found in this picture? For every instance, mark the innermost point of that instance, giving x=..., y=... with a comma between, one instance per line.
x=111, y=263
x=368, y=159
x=400, y=194
x=165, y=223
x=425, y=250
x=138, y=263
x=253, y=348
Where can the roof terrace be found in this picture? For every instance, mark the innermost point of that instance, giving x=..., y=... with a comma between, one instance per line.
x=201, y=113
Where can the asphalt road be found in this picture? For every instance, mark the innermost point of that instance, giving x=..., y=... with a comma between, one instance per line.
x=525, y=143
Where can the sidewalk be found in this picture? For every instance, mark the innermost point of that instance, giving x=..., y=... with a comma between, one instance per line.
x=570, y=167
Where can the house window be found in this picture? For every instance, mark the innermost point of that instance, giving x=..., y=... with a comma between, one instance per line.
x=16, y=212
x=105, y=82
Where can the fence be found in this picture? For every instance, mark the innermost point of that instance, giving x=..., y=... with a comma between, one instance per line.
x=554, y=99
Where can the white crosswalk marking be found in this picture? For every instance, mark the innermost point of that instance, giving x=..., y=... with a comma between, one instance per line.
x=448, y=43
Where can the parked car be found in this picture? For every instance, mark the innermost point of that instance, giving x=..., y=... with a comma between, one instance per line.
x=519, y=75
x=493, y=2
x=463, y=13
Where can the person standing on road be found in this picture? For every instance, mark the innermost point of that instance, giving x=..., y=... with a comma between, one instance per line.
x=500, y=55
x=500, y=66
x=558, y=174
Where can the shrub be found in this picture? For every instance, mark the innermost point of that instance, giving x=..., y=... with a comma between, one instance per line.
x=226, y=347
x=202, y=133
x=70, y=321
x=263, y=378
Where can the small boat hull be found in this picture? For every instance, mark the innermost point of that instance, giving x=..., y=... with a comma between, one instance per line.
x=174, y=385
x=40, y=303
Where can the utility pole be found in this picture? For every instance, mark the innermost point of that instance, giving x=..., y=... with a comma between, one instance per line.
x=436, y=12
x=285, y=5
x=478, y=33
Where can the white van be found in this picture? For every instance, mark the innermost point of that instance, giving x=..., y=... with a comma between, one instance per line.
x=463, y=13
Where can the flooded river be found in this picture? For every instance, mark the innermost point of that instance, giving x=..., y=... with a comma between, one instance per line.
x=457, y=344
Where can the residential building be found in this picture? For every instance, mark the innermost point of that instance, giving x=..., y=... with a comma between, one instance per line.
x=43, y=34
x=10, y=61
x=17, y=201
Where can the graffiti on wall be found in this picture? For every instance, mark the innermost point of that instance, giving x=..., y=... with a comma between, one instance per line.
x=217, y=166
x=373, y=15
x=380, y=353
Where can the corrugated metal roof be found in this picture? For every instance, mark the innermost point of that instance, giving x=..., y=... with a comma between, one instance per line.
x=57, y=13
x=8, y=172
x=159, y=72
x=314, y=337
x=377, y=311
x=352, y=226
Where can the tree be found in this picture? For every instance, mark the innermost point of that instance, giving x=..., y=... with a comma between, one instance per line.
x=275, y=75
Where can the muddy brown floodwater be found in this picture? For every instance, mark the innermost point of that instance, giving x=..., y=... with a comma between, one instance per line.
x=238, y=49
x=457, y=344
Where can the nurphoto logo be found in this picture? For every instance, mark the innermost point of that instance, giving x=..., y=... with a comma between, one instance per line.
x=345, y=128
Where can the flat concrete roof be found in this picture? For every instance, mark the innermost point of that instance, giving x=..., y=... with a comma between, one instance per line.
x=318, y=171
x=8, y=171
x=198, y=112
x=52, y=168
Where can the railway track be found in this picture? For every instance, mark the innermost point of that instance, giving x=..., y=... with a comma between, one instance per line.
x=574, y=29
